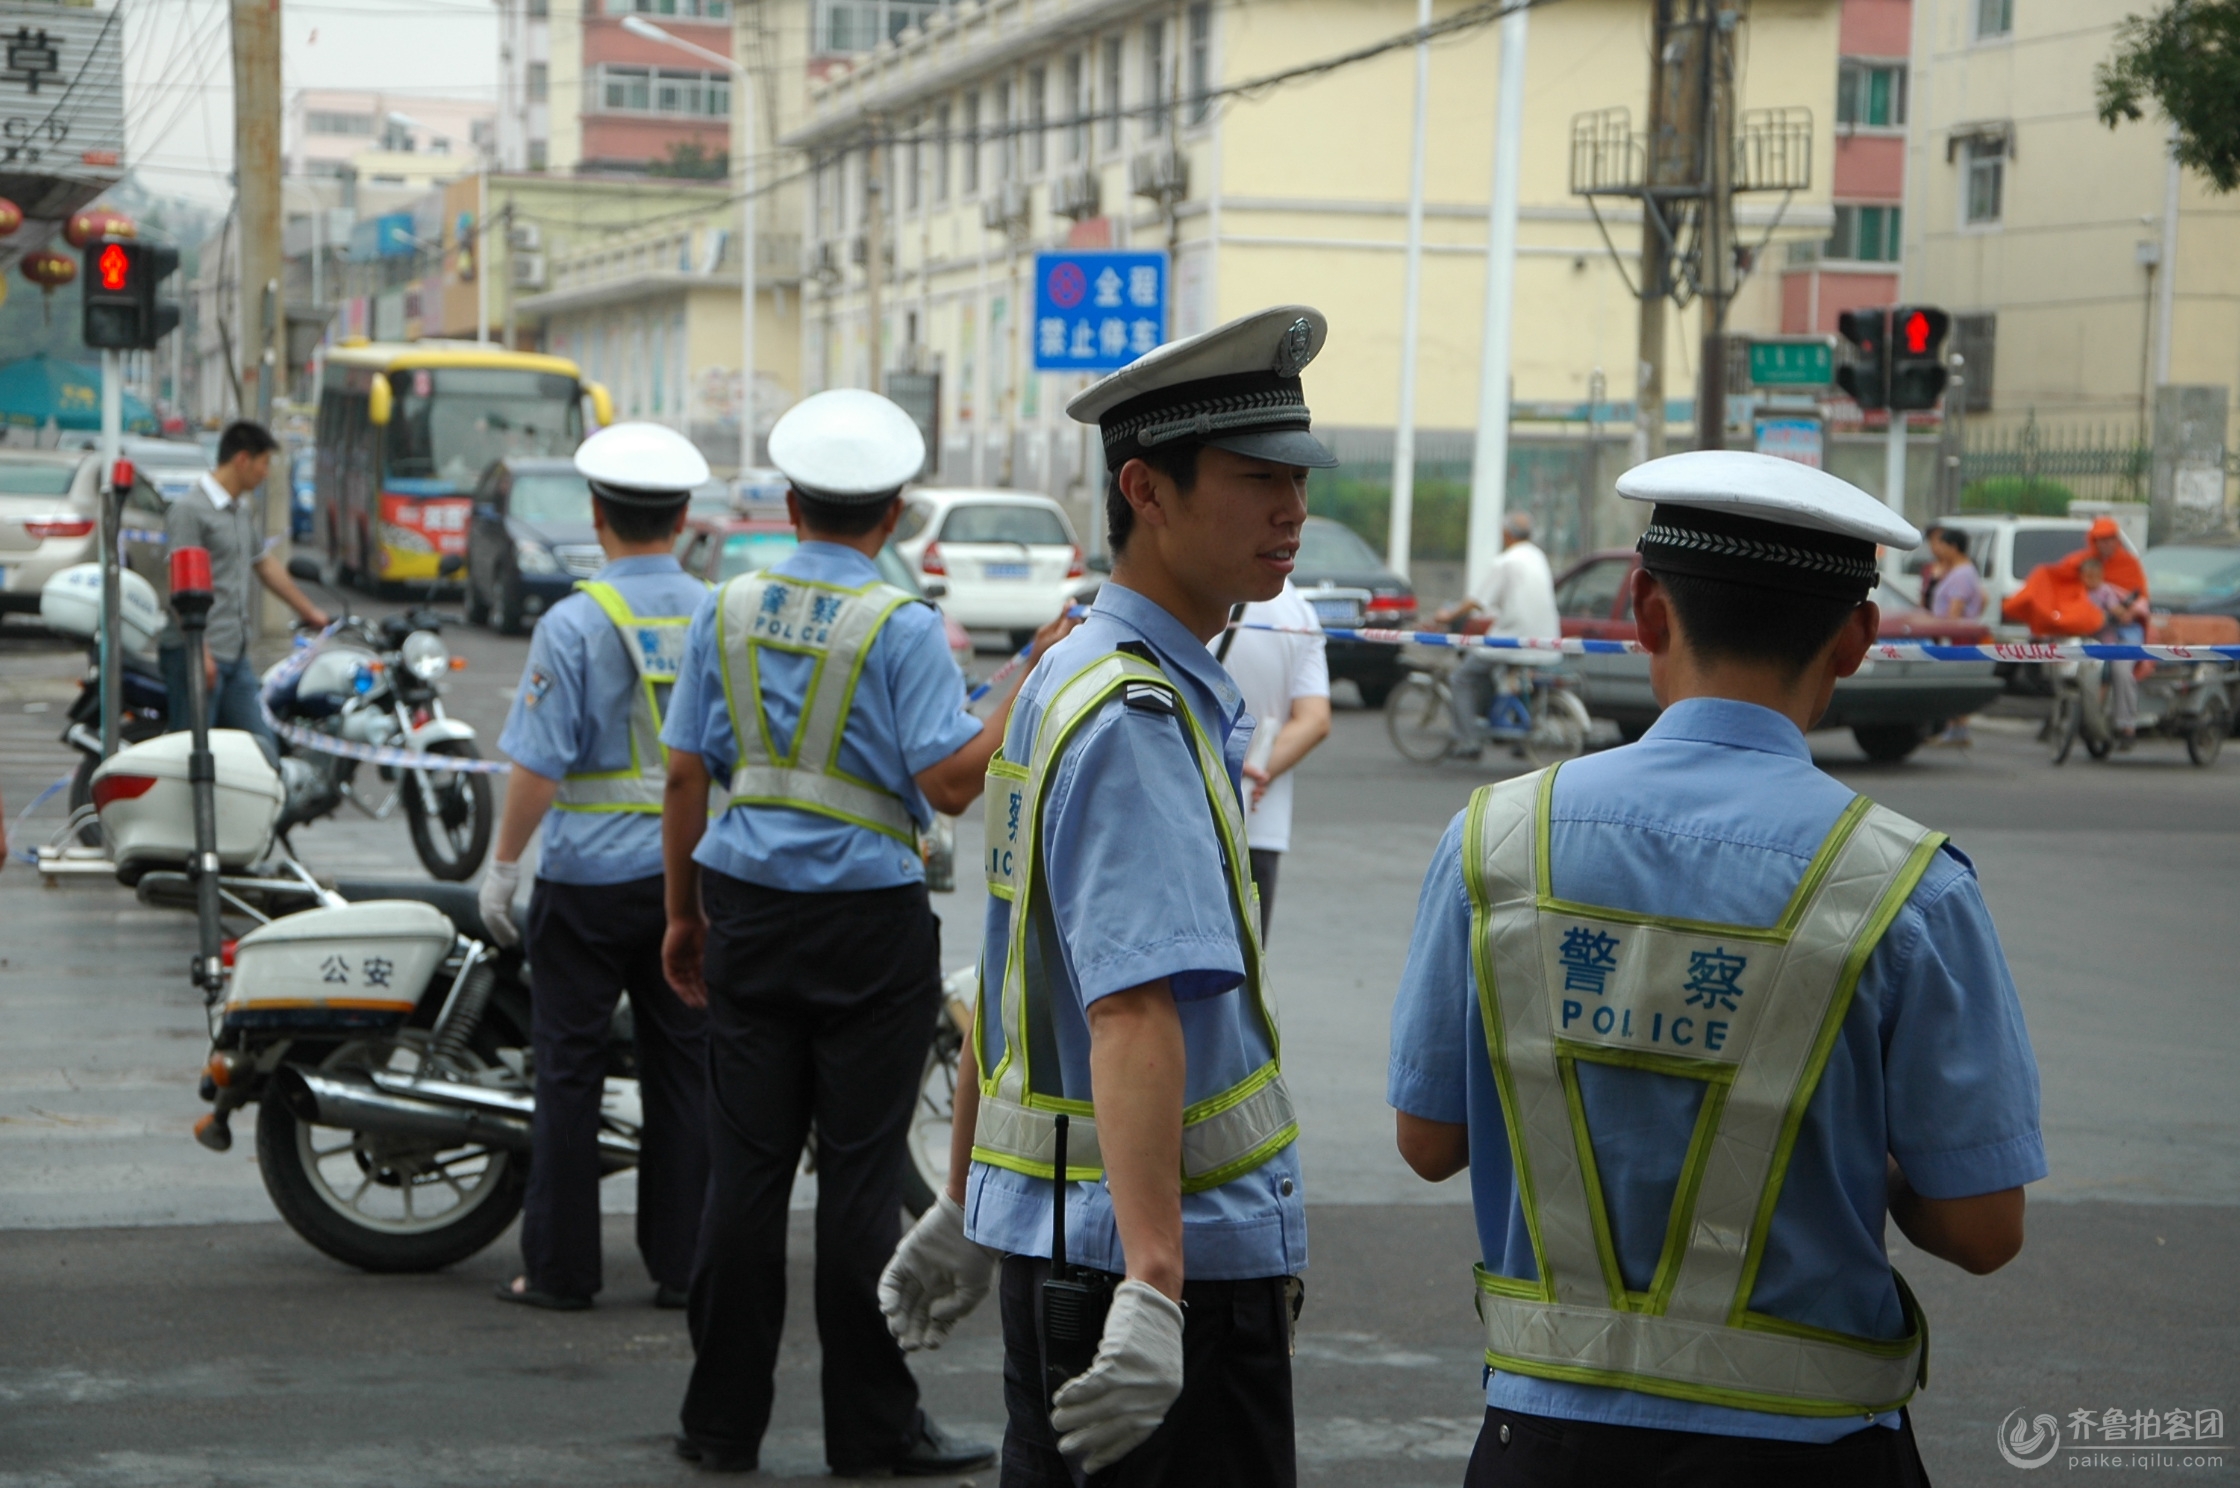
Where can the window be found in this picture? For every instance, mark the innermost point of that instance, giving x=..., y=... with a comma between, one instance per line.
x=1026, y=526
x=1110, y=88
x=1154, y=77
x=1007, y=138
x=1038, y=115
x=1871, y=94
x=941, y=155
x=971, y=144
x=1985, y=158
x=360, y=125
x=1201, y=62
x=915, y=515
x=705, y=10
x=1994, y=18
x=1077, y=108
x=1592, y=592
x=1865, y=234
x=537, y=154
x=1976, y=339
x=916, y=172
x=539, y=9
x=539, y=81
x=859, y=25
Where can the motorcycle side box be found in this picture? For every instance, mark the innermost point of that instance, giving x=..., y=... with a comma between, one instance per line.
x=147, y=807
x=357, y=966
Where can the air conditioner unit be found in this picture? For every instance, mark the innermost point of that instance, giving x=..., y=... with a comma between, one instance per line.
x=1006, y=208
x=1162, y=175
x=526, y=236
x=528, y=271
x=1076, y=194
x=859, y=251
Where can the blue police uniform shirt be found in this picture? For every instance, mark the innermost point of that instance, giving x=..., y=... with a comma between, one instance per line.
x=572, y=715
x=1133, y=867
x=1714, y=815
x=908, y=714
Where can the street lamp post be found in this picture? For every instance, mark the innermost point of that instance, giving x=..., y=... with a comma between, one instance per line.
x=639, y=26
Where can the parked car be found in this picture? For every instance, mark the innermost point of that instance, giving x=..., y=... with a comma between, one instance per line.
x=722, y=548
x=1889, y=706
x=2197, y=577
x=48, y=505
x=1333, y=556
x=1009, y=558
x=529, y=540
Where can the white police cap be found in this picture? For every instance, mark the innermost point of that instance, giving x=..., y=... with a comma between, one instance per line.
x=847, y=445
x=641, y=464
x=1235, y=387
x=1756, y=519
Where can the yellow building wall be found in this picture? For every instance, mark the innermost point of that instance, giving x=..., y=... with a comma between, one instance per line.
x=564, y=85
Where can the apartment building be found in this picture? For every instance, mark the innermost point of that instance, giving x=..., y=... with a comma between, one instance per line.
x=1857, y=263
x=580, y=95
x=385, y=139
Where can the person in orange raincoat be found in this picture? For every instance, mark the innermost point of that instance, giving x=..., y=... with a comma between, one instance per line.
x=2053, y=600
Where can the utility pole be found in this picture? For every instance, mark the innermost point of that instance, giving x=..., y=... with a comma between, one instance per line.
x=1716, y=48
x=874, y=247
x=1400, y=529
x=256, y=163
x=1656, y=255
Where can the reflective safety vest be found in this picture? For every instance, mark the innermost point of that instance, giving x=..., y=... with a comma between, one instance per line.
x=656, y=647
x=1223, y=1136
x=1751, y=1011
x=836, y=626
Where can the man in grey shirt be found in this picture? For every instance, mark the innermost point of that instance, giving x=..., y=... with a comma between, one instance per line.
x=219, y=513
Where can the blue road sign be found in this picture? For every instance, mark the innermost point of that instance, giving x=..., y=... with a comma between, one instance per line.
x=1095, y=311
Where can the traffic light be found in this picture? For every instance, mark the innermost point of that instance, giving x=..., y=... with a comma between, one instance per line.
x=122, y=312
x=1866, y=376
x=1917, y=372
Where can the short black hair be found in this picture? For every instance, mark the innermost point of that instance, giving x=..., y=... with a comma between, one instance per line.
x=843, y=518
x=636, y=524
x=245, y=437
x=1742, y=622
x=1177, y=462
x=1956, y=537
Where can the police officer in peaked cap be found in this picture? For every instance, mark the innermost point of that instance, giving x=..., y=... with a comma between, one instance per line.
x=584, y=735
x=1696, y=1017
x=1122, y=984
x=826, y=701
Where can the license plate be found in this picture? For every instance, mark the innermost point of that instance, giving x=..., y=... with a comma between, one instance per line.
x=1336, y=612
x=1006, y=571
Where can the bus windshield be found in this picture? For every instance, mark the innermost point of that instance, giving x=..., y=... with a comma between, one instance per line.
x=451, y=422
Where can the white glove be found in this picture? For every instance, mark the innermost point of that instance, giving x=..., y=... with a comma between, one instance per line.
x=935, y=1277
x=1106, y=1413
x=495, y=900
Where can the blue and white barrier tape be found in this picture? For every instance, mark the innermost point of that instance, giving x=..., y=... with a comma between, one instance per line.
x=372, y=754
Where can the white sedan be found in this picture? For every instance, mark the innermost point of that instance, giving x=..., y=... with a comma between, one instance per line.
x=1009, y=558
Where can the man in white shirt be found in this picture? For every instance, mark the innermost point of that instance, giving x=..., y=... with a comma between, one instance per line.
x=1519, y=593
x=1285, y=679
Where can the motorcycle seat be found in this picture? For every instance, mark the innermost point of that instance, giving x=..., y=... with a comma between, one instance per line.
x=457, y=901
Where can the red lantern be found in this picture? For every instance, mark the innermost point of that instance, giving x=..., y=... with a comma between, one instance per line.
x=49, y=270
x=91, y=224
x=11, y=217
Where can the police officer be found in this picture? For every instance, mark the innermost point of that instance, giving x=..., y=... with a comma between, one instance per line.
x=1122, y=983
x=827, y=702
x=1696, y=1017
x=584, y=735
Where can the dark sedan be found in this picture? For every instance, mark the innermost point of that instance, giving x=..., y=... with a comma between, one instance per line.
x=2198, y=577
x=1889, y=706
x=1333, y=557
x=530, y=540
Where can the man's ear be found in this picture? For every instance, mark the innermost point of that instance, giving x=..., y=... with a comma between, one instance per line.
x=1652, y=613
x=1858, y=633
x=1145, y=491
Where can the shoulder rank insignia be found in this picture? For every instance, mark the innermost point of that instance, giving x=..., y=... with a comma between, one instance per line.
x=1149, y=698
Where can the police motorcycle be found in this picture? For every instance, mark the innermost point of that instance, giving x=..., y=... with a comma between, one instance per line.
x=376, y=1026
x=376, y=684
x=70, y=604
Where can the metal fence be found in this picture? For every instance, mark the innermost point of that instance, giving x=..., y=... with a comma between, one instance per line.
x=2039, y=466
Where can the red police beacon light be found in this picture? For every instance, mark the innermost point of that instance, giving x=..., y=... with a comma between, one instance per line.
x=190, y=571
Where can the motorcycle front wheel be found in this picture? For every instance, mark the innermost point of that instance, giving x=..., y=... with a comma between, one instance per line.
x=1417, y=716
x=452, y=839
x=380, y=1203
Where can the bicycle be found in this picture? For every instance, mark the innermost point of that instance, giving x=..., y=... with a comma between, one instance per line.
x=2188, y=701
x=1546, y=720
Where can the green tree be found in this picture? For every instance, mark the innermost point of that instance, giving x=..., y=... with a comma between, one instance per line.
x=689, y=160
x=2185, y=59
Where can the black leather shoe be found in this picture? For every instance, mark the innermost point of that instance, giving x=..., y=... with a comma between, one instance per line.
x=672, y=1298
x=936, y=1452
x=712, y=1458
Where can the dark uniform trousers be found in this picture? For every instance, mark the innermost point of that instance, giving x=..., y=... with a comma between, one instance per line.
x=821, y=1008
x=1232, y=1425
x=1520, y=1451
x=588, y=944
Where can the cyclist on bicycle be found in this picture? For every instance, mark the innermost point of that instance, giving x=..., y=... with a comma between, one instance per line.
x=1519, y=595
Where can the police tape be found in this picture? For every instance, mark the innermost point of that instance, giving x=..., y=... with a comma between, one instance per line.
x=2033, y=652
x=381, y=754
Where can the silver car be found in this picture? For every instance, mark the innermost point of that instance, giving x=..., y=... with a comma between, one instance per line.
x=48, y=504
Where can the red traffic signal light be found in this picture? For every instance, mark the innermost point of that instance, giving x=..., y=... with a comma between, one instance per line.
x=1914, y=333
x=1917, y=371
x=121, y=309
x=112, y=269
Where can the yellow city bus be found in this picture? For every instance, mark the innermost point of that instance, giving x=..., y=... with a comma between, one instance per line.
x=405, y=431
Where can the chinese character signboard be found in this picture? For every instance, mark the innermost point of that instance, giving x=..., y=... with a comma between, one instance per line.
x=61, y=103
x=1791, y=437
x=1097, y=312
x=1799, y=362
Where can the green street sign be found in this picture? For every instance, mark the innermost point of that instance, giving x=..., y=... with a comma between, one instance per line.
x=1805, y=361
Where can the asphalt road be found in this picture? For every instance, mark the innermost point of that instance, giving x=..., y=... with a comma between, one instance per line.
x=158, y=1327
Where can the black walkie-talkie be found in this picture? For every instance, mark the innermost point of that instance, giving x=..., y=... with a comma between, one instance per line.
x=1073, y=1302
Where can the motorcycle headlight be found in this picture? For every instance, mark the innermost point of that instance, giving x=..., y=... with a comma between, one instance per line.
x=534, y=557
x=424, y=655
